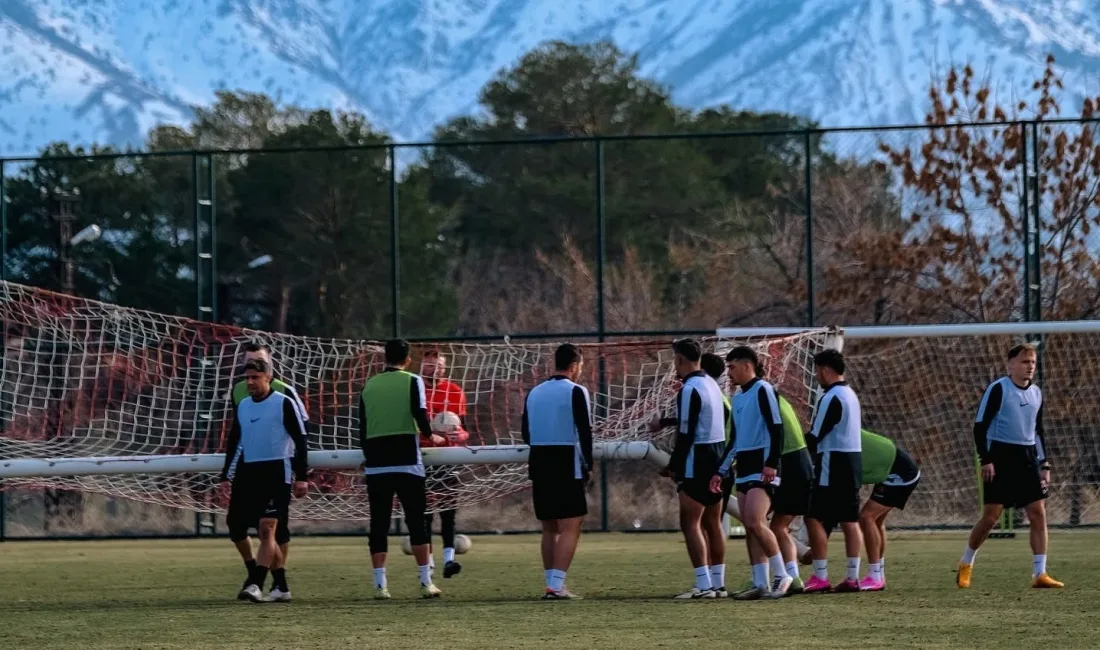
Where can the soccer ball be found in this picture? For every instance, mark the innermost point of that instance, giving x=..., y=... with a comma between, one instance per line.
x=462, y=544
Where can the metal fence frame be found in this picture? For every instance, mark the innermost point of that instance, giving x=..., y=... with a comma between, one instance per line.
x=204, y=219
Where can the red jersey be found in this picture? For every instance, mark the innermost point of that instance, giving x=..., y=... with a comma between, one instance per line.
x=445, y=395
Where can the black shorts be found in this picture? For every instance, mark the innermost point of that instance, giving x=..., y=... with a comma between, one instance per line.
x=259, y=491
x=796, y=482
x=698, y=490
x=835, y=497
x=904, y=476
x=411, y=494
x=745, y=486
x=1016, y=481
x=559, y=499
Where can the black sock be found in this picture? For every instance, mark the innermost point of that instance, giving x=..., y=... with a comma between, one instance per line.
x=278, y=580
x=250, y=566
x=259, y=576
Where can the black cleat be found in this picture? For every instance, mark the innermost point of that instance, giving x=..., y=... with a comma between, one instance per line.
x=451, y=569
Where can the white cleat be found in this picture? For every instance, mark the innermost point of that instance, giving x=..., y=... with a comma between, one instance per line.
x=277, y=596
x=696, y=594
x=780, y=585
x=252, y=594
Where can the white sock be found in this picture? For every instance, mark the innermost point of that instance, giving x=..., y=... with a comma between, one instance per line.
x=853, y=568
x=821, y=569
x=380, y=577
x=702, y=578
x=760, y=575
x=1038, y=565
x=775, y=563
x=968, y=556
x=431, y=560
x=426, y=575
x=448, y=555
x=792, y=569
x=547, y=573
x=717, y=575
x=557, y=580
x=874, y=569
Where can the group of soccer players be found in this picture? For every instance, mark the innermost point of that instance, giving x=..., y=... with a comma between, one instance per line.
x=266, y=463
x=753, y=445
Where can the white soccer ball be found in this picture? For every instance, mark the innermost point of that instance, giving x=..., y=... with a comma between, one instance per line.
x=462, y=544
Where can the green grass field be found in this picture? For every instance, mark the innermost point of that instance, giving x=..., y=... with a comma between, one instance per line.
x=180, y=594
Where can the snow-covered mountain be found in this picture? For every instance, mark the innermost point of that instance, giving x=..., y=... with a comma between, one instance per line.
x=105, y=70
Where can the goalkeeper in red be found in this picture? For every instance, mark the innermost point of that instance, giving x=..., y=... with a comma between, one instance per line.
x=447, y=410
x=1008, y=433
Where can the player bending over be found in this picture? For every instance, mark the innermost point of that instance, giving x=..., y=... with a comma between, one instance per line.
x=392, y=410
x=447, y=410
x=238, y=526
x=894, y=475
x=696, y=455
x=557, y=426
x=756, y=439
x=1008, y=433
x=266, y=446
x=835, y=443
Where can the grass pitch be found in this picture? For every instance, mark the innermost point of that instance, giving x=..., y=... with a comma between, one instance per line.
x=180, y=594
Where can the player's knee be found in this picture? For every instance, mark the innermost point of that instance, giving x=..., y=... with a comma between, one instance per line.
x=1036, y=513
x=418, y=535
x=282, y=533
x=267, y=527
x=868, y=518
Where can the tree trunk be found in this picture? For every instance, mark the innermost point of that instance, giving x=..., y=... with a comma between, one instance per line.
x=284, y=307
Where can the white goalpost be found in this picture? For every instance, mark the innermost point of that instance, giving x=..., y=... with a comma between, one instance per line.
x=130, y=404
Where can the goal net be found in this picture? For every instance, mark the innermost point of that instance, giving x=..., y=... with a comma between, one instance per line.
x=87, y=380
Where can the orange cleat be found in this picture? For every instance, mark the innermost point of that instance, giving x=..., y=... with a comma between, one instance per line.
x=962, y=578
x=1044, y=581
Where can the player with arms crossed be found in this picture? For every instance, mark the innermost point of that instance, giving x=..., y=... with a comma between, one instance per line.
x=756, y=440
x=392, y=410
x=447, y=411
x=238, y=526
x=557, y=427
x=836, y=446
x=696, y=455
x=266, y=447
x=1008, y=433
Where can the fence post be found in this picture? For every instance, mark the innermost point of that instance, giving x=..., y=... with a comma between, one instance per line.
x=601, y=321
x=809, y=178
x=395, y=243
x=3, y=225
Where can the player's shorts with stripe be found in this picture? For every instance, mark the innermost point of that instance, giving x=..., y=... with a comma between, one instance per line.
x=556, y=490
x=259, y=491
x=796, y=482
x=750, y=466
x=835, y=496
x=904, y=477
x=1016, y=479
x=704, y=462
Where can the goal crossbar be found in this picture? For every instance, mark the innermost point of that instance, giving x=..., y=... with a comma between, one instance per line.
x=920, y=331
x=343, y=459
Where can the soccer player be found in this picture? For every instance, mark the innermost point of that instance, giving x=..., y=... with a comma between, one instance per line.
x=713, y=365
x=557, y=427
x=756, y=441
x=696, y=455
x=895, y=475
x=392, y=410
x=444, y=396
x=266, y=447
x=238, y=526
x=836, y=445
x=1008, y=433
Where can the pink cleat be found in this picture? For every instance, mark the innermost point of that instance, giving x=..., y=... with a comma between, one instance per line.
x=848, y=586
x=816, y=585
x=872, y=584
